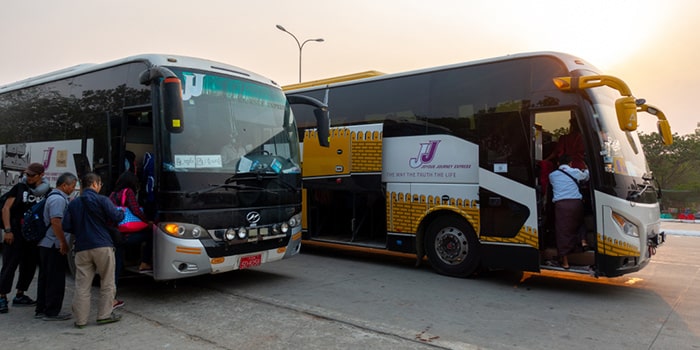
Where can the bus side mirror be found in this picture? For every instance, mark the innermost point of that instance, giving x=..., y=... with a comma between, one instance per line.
x=323, y=121
x=665, y=132
x=323, y=126
x=171, y=93
x=172, y=104
x=626, y=108
x=662, y=124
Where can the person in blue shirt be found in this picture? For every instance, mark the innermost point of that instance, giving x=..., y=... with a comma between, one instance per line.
x=53, y=248
x=87, y=219
x=568, y=207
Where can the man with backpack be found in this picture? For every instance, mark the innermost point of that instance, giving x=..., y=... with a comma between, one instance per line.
x=17, y=252
x=53, y=248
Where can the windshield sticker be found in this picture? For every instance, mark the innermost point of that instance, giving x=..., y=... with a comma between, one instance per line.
x=245, y=165
x=192, y=86
x=196, y=161
x=184, y=161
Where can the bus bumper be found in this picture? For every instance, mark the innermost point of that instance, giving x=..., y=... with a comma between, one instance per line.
x=176, y=258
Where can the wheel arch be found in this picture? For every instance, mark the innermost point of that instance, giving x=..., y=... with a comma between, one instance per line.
x=434, y=214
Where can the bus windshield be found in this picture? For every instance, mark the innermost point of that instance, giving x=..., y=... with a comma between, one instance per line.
x=232, y=125
x=622, y=151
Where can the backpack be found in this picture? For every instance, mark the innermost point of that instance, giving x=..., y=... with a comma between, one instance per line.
x=33, y=226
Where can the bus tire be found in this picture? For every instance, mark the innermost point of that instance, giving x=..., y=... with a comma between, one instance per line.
x=452, y=247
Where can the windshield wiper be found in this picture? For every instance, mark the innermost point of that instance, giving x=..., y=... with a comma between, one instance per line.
x=639, y=192
x=225, y=185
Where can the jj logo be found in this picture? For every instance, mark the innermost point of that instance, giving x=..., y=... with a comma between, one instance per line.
x=193, y=86
x=425, y=155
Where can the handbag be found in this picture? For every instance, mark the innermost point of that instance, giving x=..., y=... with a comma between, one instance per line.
x=131, y=222
x=114, y=233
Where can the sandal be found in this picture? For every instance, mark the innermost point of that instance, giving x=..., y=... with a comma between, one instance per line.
x=144, y=267
x=112, y=318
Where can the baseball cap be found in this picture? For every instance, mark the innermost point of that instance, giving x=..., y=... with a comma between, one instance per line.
x=34, y=168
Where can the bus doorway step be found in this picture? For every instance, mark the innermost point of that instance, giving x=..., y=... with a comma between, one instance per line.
x=555, y=266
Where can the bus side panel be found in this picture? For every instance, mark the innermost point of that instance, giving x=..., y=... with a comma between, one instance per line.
x=401, y=209
x=524, y=197
x=326, y=161
x=426, y=174
x=430, y=159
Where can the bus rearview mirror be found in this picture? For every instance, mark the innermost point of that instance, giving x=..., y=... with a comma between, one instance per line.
x=662, y=124
x=172, y=105
x=323, y=125
x=626, y=108
x=323, y=121
x=665, y=132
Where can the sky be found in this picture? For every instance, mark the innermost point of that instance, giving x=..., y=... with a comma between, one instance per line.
x=653, y=45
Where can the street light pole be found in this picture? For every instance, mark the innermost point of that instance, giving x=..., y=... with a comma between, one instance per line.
x=300, y=45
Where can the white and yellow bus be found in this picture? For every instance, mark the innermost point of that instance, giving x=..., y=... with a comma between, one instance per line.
x=447, y=162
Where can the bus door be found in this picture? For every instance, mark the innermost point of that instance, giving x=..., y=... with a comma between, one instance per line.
x=558, y=133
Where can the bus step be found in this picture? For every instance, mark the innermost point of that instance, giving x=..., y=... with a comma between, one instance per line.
x=582, y=269
x=134, y=272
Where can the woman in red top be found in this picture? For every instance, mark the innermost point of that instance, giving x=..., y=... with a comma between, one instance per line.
x=572, y=145
x=127, y=185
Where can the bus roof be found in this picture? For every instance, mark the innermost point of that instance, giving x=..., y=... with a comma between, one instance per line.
x=327, y=81
x=571, y=62
x=149, y=59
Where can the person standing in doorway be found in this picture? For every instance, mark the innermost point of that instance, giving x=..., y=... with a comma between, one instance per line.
x=568, y=207
x=87, y=219
x=18, y=252
x=52, y=253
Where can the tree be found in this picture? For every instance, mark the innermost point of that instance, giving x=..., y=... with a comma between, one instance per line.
x=674, y=166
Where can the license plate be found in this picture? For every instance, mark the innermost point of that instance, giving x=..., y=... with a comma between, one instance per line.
x=250, y=261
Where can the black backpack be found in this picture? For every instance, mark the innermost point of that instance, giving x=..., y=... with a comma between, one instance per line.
x=33, y=226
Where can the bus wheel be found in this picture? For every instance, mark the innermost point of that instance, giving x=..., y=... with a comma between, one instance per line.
x=452, y=247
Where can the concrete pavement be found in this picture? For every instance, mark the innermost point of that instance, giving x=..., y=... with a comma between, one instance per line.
x=680, y=228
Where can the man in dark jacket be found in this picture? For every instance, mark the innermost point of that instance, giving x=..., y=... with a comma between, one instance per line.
x=87, y=219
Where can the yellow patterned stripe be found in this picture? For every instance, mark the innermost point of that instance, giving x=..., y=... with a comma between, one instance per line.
x=614, y=247
x=366, y=151
x=527, y=235
x=405, y=210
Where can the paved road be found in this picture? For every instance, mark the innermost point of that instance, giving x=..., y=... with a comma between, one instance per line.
x=326, y=300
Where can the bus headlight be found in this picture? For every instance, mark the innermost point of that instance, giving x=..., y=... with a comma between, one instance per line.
x=242, y=233
x=174, y=230
x=627, y=226
x=230, y=234
x=181, y=230
x=284, y=227
x=294, y=220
